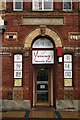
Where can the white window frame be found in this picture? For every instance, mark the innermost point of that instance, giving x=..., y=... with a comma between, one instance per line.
x=15, y=9
x=65, y=9
x=33, y=7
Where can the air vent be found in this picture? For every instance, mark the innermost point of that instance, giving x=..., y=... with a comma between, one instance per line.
x=11, y=36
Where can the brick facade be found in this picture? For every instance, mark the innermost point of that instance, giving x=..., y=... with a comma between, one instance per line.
x=25, y=37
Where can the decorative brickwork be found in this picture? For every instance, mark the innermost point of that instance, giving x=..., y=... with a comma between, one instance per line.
x=68, y=94
x=17, y=95
x=48, y=32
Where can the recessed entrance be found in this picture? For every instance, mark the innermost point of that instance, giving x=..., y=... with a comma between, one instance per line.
x=43, y=57
x=42, y=87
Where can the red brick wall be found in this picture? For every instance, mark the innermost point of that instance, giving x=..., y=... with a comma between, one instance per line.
x=14, y=19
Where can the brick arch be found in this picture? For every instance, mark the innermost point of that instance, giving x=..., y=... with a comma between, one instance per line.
x=56, y=39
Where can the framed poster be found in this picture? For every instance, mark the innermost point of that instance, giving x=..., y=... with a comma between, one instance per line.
x=67, y=82
x=67, y=74
x=17, y=82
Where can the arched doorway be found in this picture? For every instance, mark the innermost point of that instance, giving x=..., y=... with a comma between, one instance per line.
x=43, y=59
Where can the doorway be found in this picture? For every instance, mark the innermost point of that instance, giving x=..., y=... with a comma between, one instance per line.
x=43, y=58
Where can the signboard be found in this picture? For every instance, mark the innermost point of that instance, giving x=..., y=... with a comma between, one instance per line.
x=18, y=82
x=67, y=66
x=67, y=74
x=44, y=21
x=67, y=58
x=17, y=66
x=18, y=58
x=68, y=82
x=42, y=57
x=17, y=74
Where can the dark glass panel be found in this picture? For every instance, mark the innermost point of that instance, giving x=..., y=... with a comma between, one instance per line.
x=42, y=75
x=17, y=5
x=47, y=4
x=67, y=5
x=42, y=97
x=42, y=86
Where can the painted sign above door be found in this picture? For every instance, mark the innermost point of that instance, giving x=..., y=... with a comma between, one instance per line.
x=42, y=57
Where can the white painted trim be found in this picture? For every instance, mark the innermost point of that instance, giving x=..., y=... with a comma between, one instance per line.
x=14, y=6
x=33, y=88
x=33, y=8
x=67, y=9
x=51, y=87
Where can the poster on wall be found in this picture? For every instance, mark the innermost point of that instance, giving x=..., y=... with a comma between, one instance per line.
x=18, y=82
x=67, y=74
x=42, y=57
x=67, y=82
x=17, y=74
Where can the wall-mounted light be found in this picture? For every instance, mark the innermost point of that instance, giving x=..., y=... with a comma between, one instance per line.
x=60, y=59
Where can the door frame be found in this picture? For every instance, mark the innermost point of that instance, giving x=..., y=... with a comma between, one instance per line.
x=51, y=97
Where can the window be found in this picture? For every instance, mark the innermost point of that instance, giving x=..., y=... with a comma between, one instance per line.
x=18, y=5
x=67, y=5
x=2, y=4
x=45, y=5
x=67, y=70
x=17, y=70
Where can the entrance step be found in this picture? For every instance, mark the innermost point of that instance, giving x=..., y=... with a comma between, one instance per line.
x=42, y=112
x=43, y=108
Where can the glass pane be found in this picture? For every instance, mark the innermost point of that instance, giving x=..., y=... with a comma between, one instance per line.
x=37, y=4
x=42, y=97
x=47, y=4
x=42, y=86
x=67, y=4
x=17, y=5
x=43, y=43
x=40, y=5
x=42, y=75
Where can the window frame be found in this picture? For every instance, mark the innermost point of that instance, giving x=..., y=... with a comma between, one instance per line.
x=16, y=9
x=19, y=70
x=65, y=9
x=68, y=70
x=43, y=9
